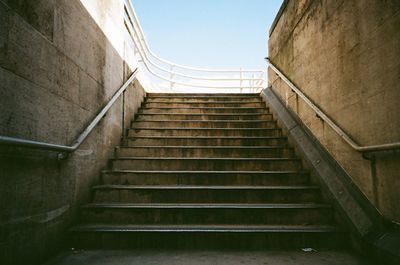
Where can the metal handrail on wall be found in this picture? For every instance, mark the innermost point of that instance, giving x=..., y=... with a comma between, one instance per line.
x=151, y=62
x=333, y=125
x=5, y=140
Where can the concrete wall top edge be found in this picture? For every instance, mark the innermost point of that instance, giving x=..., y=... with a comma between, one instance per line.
x=278, y=16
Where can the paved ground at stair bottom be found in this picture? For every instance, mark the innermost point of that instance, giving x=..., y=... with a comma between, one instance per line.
x=126, y=257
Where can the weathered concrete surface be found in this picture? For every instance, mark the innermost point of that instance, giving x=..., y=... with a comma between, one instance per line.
x=102, y=257
x=59, y=65
x=319, y=165
x=344, y=56
x=366, y=224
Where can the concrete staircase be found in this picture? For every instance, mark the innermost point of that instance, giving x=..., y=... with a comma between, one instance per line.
x=206, y=171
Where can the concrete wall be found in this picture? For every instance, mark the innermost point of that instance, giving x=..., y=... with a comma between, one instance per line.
x=60, y=63
x=344, y=55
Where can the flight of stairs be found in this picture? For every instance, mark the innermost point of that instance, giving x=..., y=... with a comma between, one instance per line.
x=205, y=171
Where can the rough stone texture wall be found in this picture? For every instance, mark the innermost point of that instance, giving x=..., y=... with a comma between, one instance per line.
x=60, y=63
x=344, y=55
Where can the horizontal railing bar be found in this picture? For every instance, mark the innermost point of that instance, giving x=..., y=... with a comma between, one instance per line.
x=5, y=140
x=137, y=35
x=323, y=116
x=130, y=28
x=132, y=14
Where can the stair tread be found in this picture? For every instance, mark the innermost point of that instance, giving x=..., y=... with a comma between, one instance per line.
x=203, y=228
x=208, y=158
x=203, y=187
x=205, y=147
x=206, y=137
x=197, y=128
x=205, y=114
x=212, y=99
x=206, y=97
x=206, y=172
x=210, y=121
x=255, y=100
x=232, y=108
x=200, y=94
x=107, y=205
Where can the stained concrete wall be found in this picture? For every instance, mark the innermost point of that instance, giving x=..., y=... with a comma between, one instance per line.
x=60, y=63
x=344, y=55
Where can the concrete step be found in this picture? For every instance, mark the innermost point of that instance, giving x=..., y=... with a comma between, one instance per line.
x=196, y=213
x=204, y=117
x=206, y=164
x=191, y=132
x=151, y=95
x=209, y=237
x=206, y=171
x=136, y=177
x=204, y=141
x=204, y=151
x=210, y=104
x=190, y=99
x=205, y=194
x=204, y=124
x=204, y=110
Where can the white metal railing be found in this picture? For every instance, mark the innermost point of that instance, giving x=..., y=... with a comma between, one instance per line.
x=243, y=80
x=332, y=124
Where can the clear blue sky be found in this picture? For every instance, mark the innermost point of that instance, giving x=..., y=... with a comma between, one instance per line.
x=208, y=33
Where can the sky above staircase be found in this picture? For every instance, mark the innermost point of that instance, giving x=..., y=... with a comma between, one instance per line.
x=208, y=33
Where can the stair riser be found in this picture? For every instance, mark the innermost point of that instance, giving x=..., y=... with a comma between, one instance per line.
x=204, y=124
x=208, y=216
x=204, y=132
x=234, y=95
x=205, y=110
x=205, y=165
x=205, y=142
x=207, y=196
x=204, y=179
x=204, y=117
x=203, y=99
x=208, y=105
x=209, y=241
x=204, y=152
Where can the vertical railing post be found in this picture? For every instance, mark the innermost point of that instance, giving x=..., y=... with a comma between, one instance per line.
x=137, y=50
x=142, y=40
x=171, y=76
x=241, y=80
x=253, y=83
x=265, y=78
